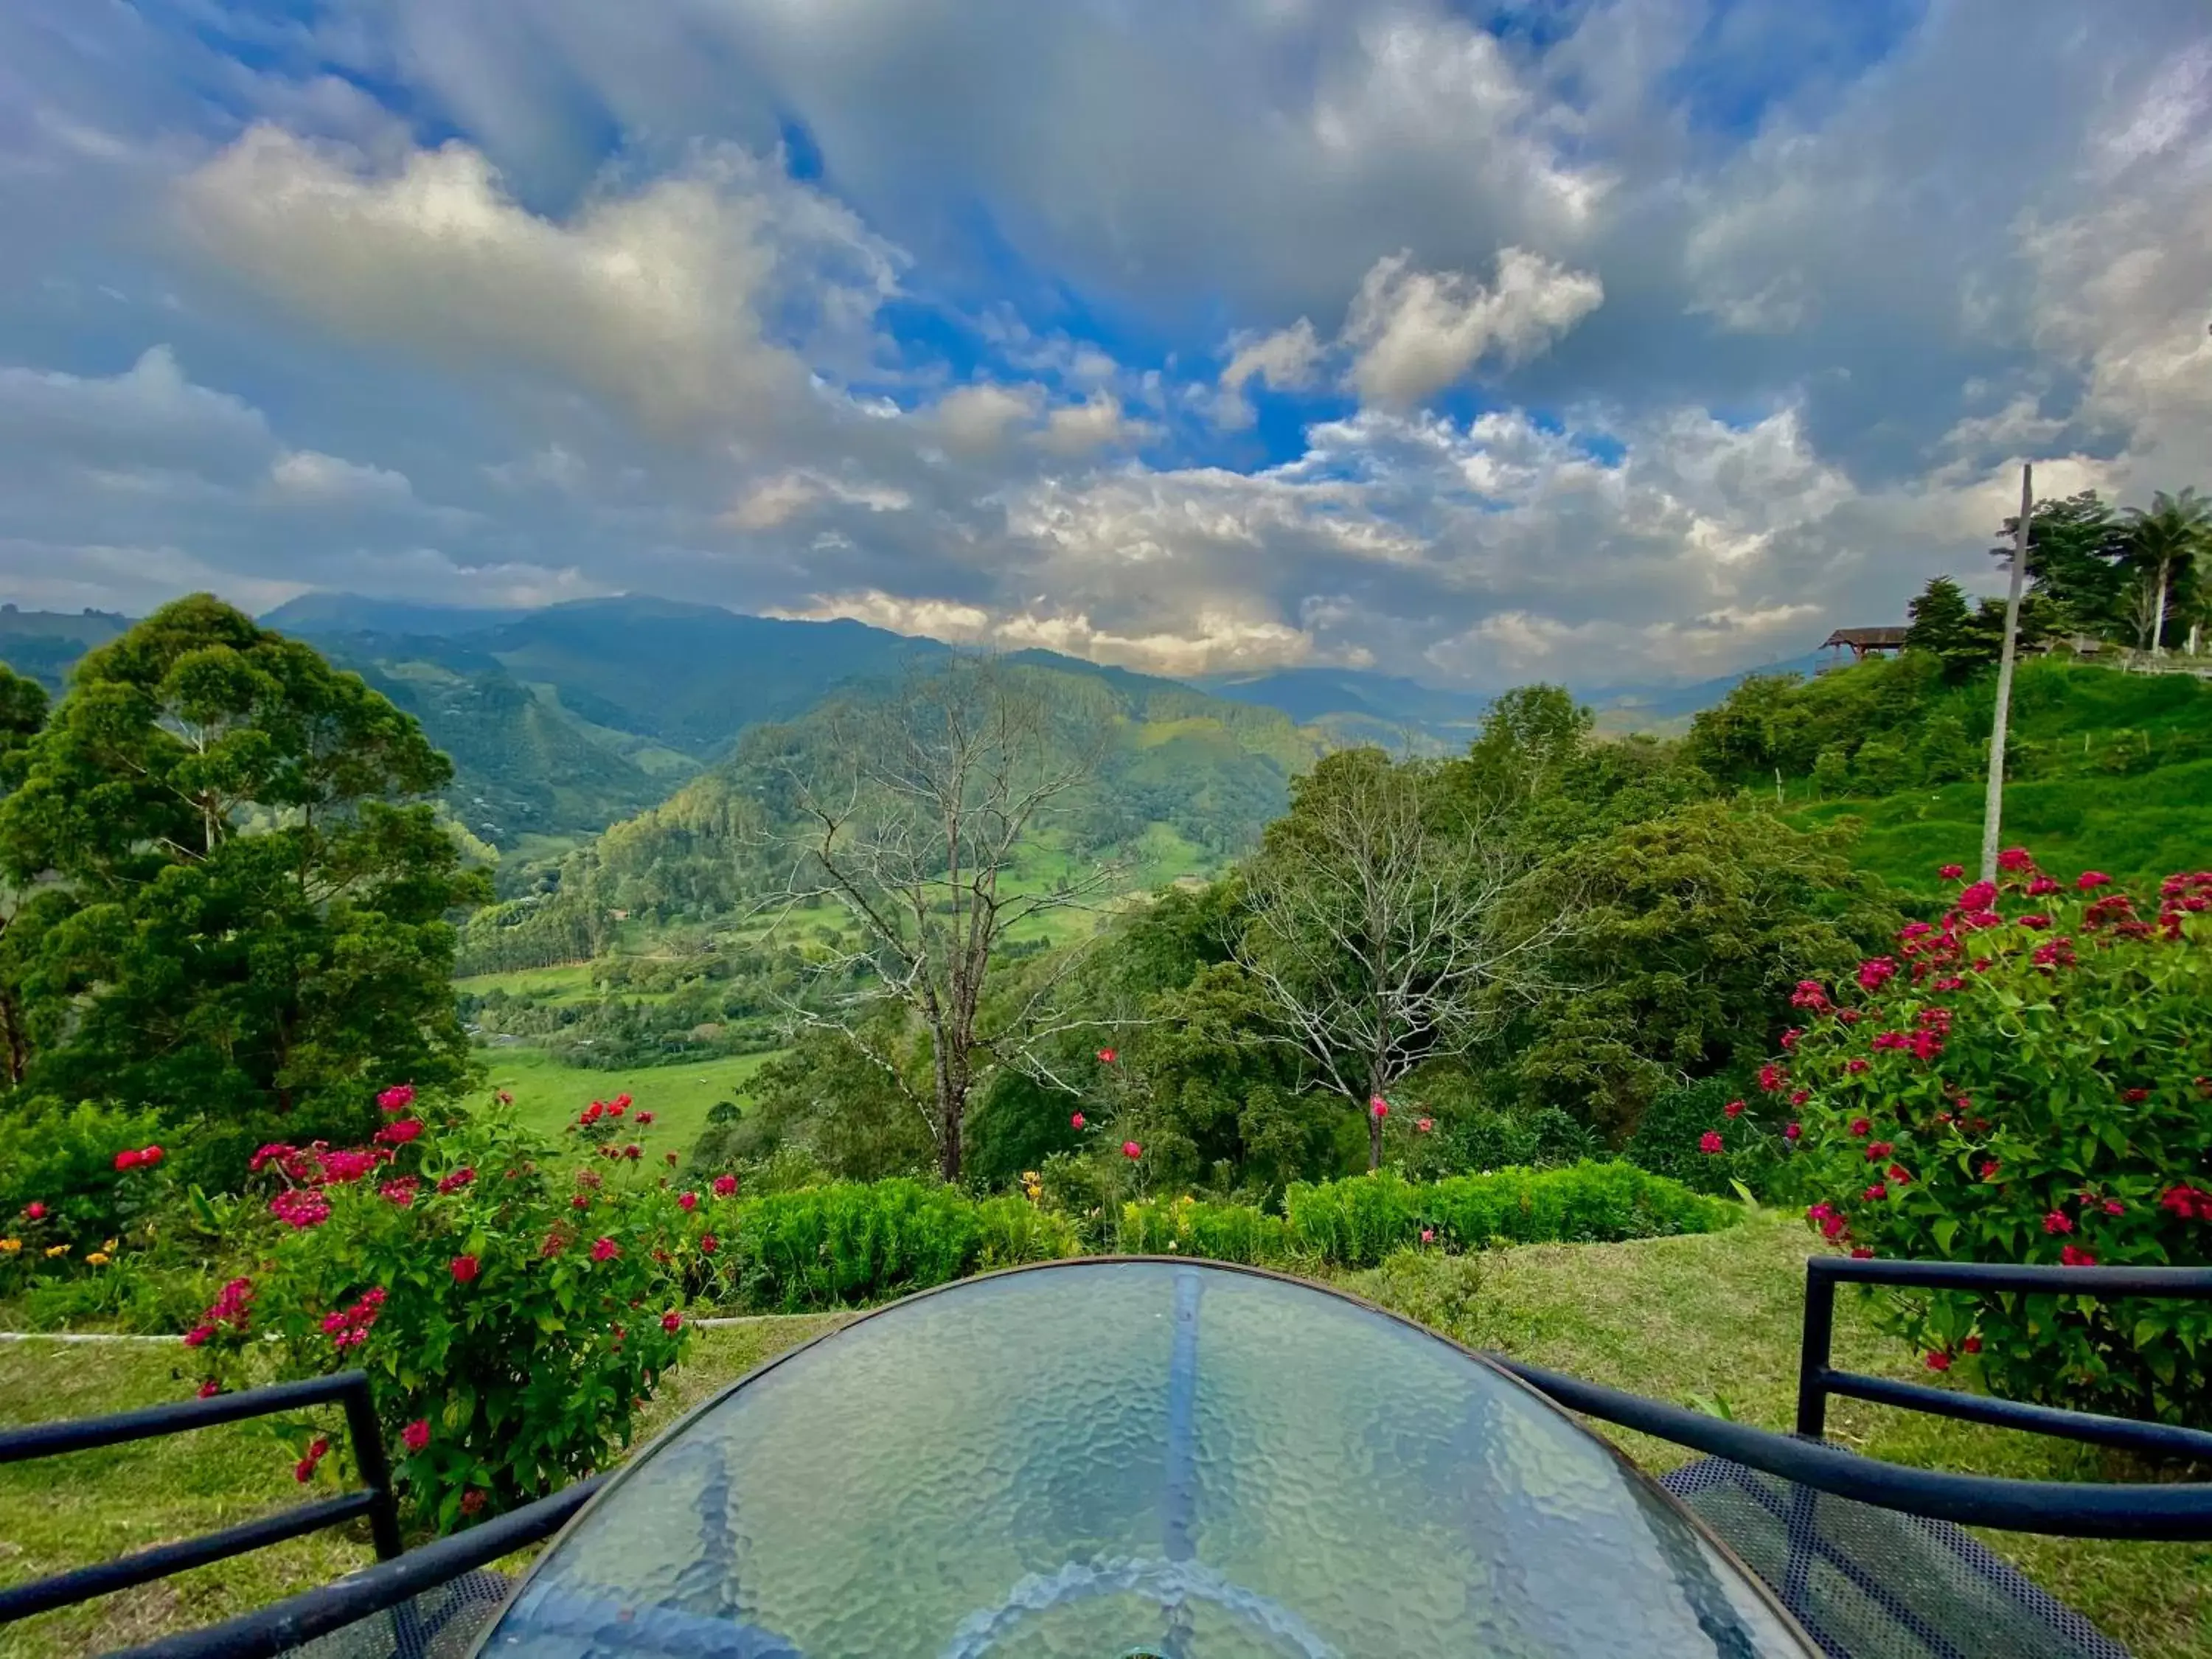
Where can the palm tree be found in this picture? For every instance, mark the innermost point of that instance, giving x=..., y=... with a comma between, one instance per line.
x=2163, y=541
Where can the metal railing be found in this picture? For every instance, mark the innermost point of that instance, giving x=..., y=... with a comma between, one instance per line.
x=2161, y=1511
x=1817, y=1380
x=374, y=1501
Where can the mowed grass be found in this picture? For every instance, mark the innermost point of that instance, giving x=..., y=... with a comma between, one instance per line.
x=1713, y=1317
x=548, y=1095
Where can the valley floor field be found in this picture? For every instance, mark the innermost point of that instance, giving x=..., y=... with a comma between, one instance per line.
x=548, y=1095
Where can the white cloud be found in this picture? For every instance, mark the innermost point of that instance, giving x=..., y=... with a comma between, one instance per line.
x=777, y=501
x=1095, y=423
x=305, y=475
x=1284, y=360
x=1415, y=332
x=655, y=298
x=973, y=421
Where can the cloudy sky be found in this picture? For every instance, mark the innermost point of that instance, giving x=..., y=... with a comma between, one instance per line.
x=1604, y=340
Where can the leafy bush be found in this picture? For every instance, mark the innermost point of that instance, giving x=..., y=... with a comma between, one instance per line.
x=2027, y=1081
x=849, y=1241
x=510, y=1322
x=1712, y=1135
x=1216, y=1232
x=1358, y=1221
x=77, y=1189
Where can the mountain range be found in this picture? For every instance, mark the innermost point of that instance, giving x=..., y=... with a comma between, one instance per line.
x=564, y=719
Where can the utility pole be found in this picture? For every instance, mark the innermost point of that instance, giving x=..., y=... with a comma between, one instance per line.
x=1993, y=802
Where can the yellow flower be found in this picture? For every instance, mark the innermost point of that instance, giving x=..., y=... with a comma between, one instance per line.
x=98, y=1259
x=109, y=1247
x=57, y=1249
x=11, y=1245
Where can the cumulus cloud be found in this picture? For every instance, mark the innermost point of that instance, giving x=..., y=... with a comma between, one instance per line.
x=973, y=421
x=1284, y=360
x=656, y=298
x=1097, y=422
x=1414, y=332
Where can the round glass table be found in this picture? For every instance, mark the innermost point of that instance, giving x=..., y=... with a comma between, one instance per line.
x=1100, y=1459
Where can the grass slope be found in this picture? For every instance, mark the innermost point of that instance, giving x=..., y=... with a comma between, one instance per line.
x=1713, y=1315
x=548, y=1095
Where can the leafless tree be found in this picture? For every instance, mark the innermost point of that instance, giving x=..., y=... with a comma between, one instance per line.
x=1386, y=931
x=913, y=813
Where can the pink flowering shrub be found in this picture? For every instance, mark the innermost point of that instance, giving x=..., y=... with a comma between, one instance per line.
x=2028, y=1079
x=513, y=1316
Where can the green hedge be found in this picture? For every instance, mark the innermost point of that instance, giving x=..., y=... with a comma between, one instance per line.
x=1355, y=1223
x=837, y=1245
x=1218, y=1233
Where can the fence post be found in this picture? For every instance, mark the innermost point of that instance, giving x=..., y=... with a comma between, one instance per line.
x=1812, y=1355
x=376, y=1470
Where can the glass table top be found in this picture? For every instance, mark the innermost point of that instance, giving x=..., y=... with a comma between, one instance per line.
x=1101, y=1459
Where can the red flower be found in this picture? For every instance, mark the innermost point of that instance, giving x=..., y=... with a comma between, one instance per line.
x=1428, y=1235
x=400, y=1132
x=1108, y=1056
x=620, y=1104
x=580, y=1201
x=1875, y=1193
x=415, y=1435
x=2113, y=1206
x=605, y=1250
x=1808, y=994
x=455, y=1182
x=1979, y=897
x=1771, y=1078
x=2058, y=1222
x=2037, y=921
x=1131, y=1151
x=35, y=1211
x=464, y=1268
x=632, y=1152
x=126, y=1160
x=208, y=1389
x=504, y=1099
x=1972, y=1345
x=1862, y=1253
x=197, y=1336
x=1423, y=1125
x=1939, y=1361
x=709, y=1243
x=396, y=1099
x=299, y=1208
x=1793, y=1132
x=1799, y=1097
x=2040, y=886
x=1379, y=1107
x=1989, y=1167
x=672, y=1322
x=304, y=1470
x=1734, y=1109
x=643, y=1119
x=2089, y=880
x=2073, y=1256
x=725, y=1185
x=1878, y=1150
x=1876, y=972
x=400, y=1191
x=2188, y=1202
x=1710, y=1141
x=152, y=1155
x=472, y=1501
x=2016, y=858
x=1861, y=1126
x=2131, y=1095
x=1789, y=1039
x=1951, y=871
x=688, y=1201
x=1855, y=1064
x=1899, y=1174
x=1891, y=1039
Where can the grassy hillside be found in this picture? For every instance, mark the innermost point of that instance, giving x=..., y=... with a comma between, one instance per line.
x=2105, y=768
x=548, y=1095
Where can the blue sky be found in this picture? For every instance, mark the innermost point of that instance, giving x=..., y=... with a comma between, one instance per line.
x=1609, y=341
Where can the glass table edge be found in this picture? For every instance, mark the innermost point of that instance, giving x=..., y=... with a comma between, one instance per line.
x=1635, y=1476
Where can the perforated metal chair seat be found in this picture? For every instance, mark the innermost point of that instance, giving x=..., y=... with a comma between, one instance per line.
x=1872, y=1583
x=438, y=1623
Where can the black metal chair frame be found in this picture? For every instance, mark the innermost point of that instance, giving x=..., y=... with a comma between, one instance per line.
x=2141, y=1511
x=2180, y=1511
x=375, y=1500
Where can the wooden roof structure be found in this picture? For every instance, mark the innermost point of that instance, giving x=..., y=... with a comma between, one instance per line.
x=1861, y=640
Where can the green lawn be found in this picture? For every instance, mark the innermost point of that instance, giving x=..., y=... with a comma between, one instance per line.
x=548, y=1095
x=1711, y=1318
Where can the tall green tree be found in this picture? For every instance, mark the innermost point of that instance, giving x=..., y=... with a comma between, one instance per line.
x=2077, y=564
x=22, y=713
x=2165, y=542
x=244, y=899
x=1944, y=626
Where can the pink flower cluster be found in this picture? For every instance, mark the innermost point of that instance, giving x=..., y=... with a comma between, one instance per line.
x=233, y=1307
x=348, y=1327
x=144, y=1158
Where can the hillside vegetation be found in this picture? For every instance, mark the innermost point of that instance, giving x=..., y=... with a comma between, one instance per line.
x=2103, y=766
